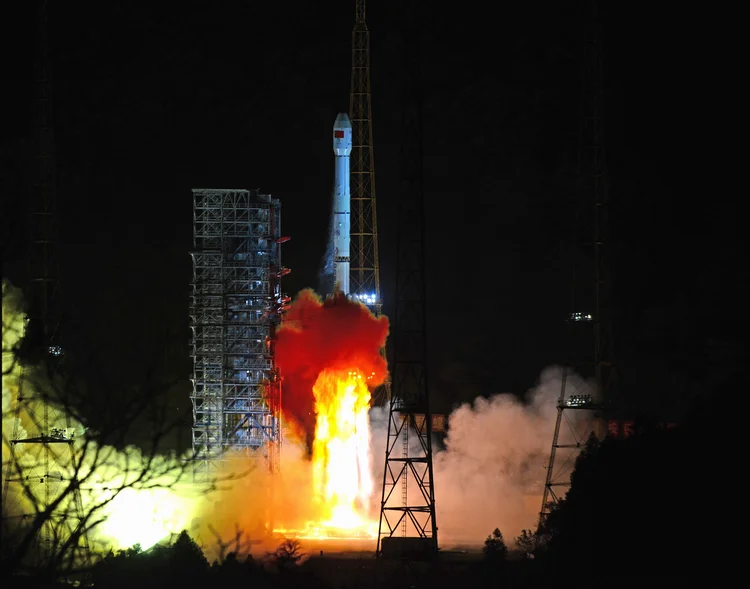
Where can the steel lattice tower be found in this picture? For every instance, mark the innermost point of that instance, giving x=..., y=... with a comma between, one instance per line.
x=40, y=427
x=364, y=269
x=407, y=517
x=589, y=322
x=235, y=308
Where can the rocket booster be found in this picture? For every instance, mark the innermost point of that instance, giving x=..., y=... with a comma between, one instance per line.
x=342, y=147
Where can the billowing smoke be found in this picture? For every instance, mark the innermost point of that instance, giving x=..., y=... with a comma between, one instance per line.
x=249, y=502
x=492, y=469
x=489, y=474
x=325, y=334
x=138, y=497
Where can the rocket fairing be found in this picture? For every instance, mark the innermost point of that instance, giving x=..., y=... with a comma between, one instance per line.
x=342, y=147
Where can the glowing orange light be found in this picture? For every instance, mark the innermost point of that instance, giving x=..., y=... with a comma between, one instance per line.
x=341, y=450
x=341, y=460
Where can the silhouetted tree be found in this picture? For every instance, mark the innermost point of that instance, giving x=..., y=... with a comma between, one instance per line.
x=187, y=557
x=622, y=493
x=287, y=555
x=528, y=541
x=44, y=523
x=181, y=562
x=495, y=549
x=233, y=569
x=238, y=546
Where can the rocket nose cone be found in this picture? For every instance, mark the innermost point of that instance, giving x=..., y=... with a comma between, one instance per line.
x=342, y=121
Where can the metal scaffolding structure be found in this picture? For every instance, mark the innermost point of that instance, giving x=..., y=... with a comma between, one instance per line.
x=590, y=327
x=364, y=266
x=236, y=306
x=408, y=527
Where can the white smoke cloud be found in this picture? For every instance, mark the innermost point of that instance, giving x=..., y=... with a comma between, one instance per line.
x=492, y=470
x=490, y=474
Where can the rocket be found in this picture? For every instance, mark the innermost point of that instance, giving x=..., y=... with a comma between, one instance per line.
x=342, y=147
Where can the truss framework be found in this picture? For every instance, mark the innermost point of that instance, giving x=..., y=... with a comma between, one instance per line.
x=569, y=438
x=403, y=514
x=34, y=485
x=364, y=264
x=364, y=268
x=590, y=339
x=408, y=526
x=236, y=305
x=41, y=472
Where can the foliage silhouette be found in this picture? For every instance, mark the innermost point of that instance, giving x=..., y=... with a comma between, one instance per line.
x=627, y=511
x=287, y=555
x=49, y=513
x=494, y=549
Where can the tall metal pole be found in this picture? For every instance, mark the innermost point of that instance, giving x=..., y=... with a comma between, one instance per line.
x=45, y=431
x=549, y=481
x=364, y=263
x=589, y=317
x=409, y=527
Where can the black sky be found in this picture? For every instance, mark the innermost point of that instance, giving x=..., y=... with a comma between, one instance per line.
x=153, y=99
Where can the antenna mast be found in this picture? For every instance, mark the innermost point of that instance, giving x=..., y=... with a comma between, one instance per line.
x=589, y=319
x=42, y=463
x=365, y=271
x=407, y=517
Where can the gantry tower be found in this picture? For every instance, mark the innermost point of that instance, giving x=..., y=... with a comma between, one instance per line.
x=364, y=266
x=235, y=308
x=41, y=495
x=408, y=527
x=589, y=321
x=364, y=269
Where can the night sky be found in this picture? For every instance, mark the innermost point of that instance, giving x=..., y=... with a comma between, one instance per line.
x=153, y=99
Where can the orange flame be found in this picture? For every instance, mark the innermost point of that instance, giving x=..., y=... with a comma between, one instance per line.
x=341, y=459
x=328, y=354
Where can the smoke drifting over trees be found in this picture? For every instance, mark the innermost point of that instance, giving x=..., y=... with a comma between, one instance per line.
x=492, y=468
x=66, y=484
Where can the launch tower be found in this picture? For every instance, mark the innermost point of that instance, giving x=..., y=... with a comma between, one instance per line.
x=589, y=322
x=236, y=306
x=46, y=474
x=364, y=285
x=365, y=273
x=408, y=527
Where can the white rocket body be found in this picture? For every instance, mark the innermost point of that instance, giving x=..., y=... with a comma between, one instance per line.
x=342, y=148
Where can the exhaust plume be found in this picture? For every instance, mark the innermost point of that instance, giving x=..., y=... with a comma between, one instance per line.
x=318, y=335
x=490, y=473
